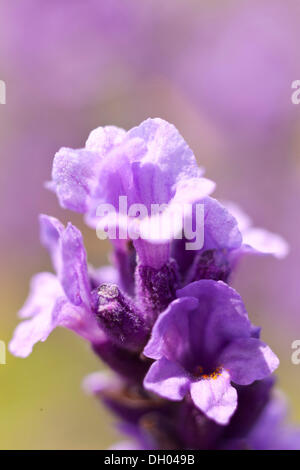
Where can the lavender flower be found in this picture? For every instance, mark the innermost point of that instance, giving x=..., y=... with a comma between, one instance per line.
x=164, y=319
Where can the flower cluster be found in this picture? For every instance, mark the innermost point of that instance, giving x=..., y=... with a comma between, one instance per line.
x=189, y=369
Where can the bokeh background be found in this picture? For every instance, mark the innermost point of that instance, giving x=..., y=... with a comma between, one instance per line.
x=221, y=71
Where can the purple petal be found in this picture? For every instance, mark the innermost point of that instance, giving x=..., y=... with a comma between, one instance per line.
x=75, y=173
x=115, y=179
x=29, y=332
x=74, y=177
x=74, y=274
x=44, y=290
x=167, y=379
x=221, y=317
x=102, y=139
x=170, y=333
x=243, y=220
x=51, y=230
x=220, y=234
x=167, y=150
x=79, y=319
x=115, y=176
x=221, y=228
x=215, y=397
x=260, y=241
x=248, y=360
x=59, y=312
x=256, y=240
x=42, y=300
x=69, y=258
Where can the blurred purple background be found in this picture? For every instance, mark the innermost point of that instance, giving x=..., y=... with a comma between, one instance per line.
x=221, y=71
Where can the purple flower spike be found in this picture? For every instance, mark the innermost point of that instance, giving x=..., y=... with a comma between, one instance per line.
x=63, y=299
x=201, y=344
x=190, y=370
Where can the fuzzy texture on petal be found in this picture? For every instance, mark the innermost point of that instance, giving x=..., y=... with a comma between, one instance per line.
x=74, y=177
x=75, y=173
x=102, y=139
